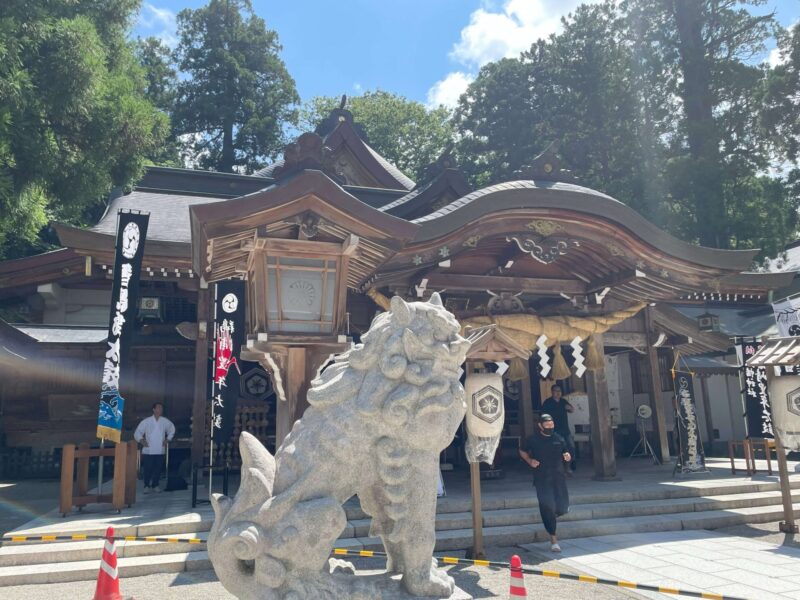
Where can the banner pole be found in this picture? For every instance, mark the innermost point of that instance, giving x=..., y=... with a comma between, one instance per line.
x=100, y=469
x=213, y=396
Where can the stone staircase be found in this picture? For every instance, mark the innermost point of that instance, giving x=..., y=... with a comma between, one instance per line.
x=509, y=519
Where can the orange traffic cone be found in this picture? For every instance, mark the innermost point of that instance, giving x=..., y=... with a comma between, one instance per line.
x=517, y=589
x=108, y=577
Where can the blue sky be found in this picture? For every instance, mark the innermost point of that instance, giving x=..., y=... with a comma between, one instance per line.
x=426, y=50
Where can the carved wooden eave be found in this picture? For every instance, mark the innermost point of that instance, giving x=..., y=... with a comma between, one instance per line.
x=58, y=265
x=561, y=239
x=491, y=343
x=308, y=206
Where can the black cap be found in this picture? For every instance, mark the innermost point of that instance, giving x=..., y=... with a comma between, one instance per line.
x=546, y=417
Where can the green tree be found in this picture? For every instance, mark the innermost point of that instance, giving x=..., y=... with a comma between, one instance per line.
x=160, y=74
x=581, y=88
x=237, y=93
x=161, y=81
x=658, y=103
x=780, y=120
x=74, y=121
x=404, y=131
x=707, y=45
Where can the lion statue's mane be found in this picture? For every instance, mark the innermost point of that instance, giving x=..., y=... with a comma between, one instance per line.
x=378, y=418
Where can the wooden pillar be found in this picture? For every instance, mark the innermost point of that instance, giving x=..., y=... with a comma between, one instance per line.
x=787, y=525
x=201, y=399
x=295, y=385
x=656, y=385
x=605, y=462
x=526, y=409
x=477, y=552
x=526, y=404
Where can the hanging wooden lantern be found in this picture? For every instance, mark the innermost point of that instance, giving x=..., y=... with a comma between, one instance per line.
x=485, y=415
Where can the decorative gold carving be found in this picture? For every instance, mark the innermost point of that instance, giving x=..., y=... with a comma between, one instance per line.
x=544, y=227
x=472, y=242
x=543, y=253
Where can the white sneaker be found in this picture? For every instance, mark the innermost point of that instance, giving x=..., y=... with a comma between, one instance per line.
x=555, y=547
x=146, y=490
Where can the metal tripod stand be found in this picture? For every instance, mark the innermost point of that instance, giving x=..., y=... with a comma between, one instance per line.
x=643, y=447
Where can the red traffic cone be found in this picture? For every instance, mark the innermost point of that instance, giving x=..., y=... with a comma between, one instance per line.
x=517, y=589
x=108, y=577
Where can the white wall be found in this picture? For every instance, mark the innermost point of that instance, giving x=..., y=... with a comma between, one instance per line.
x=724, y=398
x=77, y=307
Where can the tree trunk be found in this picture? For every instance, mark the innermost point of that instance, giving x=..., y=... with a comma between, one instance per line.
x=698, y=104
x=228, y=153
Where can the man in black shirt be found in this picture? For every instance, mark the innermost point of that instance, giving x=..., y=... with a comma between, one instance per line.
x=558, y=407
x=546, y=452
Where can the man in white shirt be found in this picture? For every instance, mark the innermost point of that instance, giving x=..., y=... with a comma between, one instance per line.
x=151, y=434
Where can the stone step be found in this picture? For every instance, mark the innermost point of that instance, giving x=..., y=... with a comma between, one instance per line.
x=609, y=510
x=461, y=539
x=86, y=570
x=132, y=565
x=722, y=487
x=45, y=552
x=15, y=554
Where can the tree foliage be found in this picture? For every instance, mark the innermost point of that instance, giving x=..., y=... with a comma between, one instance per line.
x=664, y=105
x=404, y=131
x=237, y=94
x=73, y=117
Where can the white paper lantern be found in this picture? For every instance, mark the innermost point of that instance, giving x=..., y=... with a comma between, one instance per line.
x=485, y=415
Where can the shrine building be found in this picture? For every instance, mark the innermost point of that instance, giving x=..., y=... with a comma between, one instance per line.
x=603, y=299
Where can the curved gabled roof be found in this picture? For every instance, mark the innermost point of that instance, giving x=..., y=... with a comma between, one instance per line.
x=339, y=129
x=424, y=197
x=543, y=196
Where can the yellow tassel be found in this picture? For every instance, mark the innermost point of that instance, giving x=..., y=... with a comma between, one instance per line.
x=518, y=371
x=560, y=368
x=594, y=356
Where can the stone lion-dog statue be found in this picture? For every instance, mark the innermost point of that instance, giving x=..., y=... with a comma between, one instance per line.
x=378, y=419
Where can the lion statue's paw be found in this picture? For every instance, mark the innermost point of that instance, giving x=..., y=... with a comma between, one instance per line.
x=436, y=583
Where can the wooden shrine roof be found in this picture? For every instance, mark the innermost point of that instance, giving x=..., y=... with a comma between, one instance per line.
x=673, y=324
x=446, y=186
x=777, y=352
x=338, y=131
x=224, y=233
x=491, y=343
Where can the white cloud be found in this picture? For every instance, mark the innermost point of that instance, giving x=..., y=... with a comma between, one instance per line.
x=513, y=29
x=160, y=22
x=775, y=58
x=448, y=90
x=358, y=88
x=495, y=31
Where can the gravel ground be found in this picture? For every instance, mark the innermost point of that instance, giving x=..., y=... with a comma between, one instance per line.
x=203, y=585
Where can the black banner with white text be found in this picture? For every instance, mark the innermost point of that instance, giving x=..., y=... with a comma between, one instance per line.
x=758, y=411
x=691, y=446
x=131, y=234
x=229, y=319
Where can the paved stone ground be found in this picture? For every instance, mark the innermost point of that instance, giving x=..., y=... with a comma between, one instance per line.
x=22, y=501
x=709, y=561
x=482, y=583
